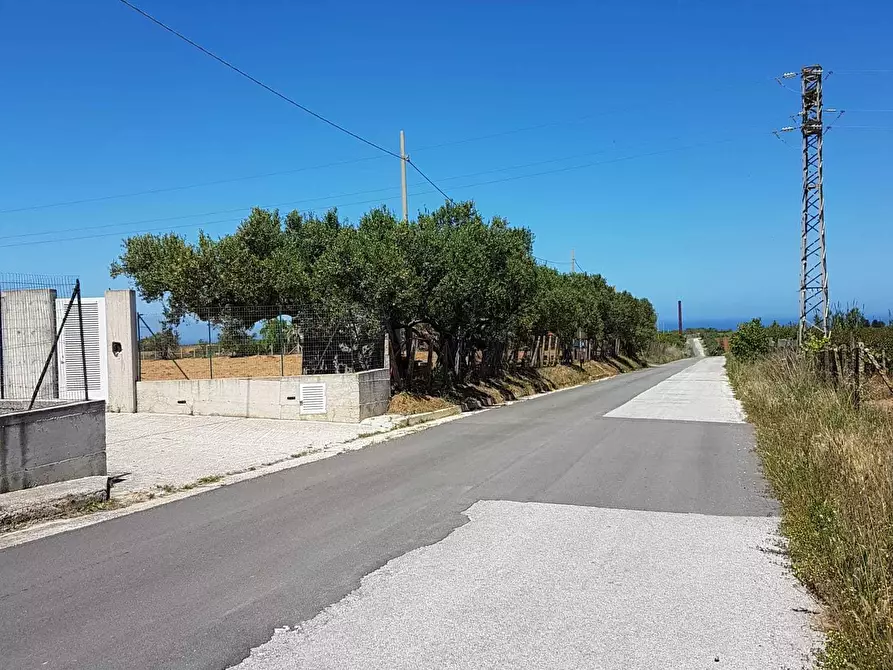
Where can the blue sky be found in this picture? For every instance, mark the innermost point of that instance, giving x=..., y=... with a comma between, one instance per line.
x=100, y=102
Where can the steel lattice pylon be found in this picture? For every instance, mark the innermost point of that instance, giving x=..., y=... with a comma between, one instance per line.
x=814, y=304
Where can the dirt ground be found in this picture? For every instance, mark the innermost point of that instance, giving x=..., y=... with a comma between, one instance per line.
x=224, y=366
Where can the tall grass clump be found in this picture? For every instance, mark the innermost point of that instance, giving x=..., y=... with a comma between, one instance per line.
x=659, y=353
x=831, y=466
x=667, y=346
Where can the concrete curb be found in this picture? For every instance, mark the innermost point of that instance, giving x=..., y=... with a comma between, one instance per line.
x=425, y=417
x=50, y=500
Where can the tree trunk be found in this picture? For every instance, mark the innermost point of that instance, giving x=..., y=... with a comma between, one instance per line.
x=398, y=367
x=409, y=335
x=430, y=362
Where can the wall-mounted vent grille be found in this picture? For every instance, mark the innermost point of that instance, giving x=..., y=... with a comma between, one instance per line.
x=313, y=398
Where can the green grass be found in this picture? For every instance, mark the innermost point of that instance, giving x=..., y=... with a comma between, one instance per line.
x=831, y=467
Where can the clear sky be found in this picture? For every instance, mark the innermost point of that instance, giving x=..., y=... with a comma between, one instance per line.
x=651, y=119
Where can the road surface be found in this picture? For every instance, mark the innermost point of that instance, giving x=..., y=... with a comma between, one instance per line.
x=543, y=534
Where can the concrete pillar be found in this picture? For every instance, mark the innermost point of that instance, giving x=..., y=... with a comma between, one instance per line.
x=123, y=353
x=28, y=331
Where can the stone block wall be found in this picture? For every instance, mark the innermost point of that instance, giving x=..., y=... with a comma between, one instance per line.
x=375, y=392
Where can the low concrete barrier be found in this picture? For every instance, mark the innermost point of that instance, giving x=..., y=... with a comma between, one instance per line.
x=51, y=501
x=54, y=442
x=348, y=397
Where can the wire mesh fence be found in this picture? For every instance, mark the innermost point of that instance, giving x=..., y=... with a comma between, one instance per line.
x=258, y=341
x=42, y=350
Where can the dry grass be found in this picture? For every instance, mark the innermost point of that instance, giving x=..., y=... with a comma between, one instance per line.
x=415, y=403
x=659, y=353
x=523, y=383
x=832, y=469
x=224, y=366
x=509, y=386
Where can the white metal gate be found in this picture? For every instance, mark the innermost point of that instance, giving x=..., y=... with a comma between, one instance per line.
x=71, y=365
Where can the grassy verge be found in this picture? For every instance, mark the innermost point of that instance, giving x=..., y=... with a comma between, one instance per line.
x=659, y=353
x=514, y=385
x=832, y=469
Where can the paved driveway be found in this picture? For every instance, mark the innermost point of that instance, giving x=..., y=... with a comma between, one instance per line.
x=173, y=450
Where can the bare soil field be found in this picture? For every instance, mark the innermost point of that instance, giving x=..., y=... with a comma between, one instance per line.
x=224, y=366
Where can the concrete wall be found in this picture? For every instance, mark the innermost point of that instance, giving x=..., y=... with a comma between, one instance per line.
x=375, y=392
x=29, y=328
x=52, y=443
x=123, y=350
x=349, y=397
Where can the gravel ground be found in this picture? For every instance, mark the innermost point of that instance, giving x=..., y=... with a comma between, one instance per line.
x=165, y=449
x=698, y=393
x=535, y=585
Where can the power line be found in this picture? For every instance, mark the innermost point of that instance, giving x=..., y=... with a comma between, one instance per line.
x=862, y=71
x=279, y=94
x=295, y=202
x=257, y=81
x=294, y=171
x=375, y=200
x=278, y=173
x=189, y=216
x=168, y=189
x=425, y=177
x=229, y=180
x=379, y=200
x=115, y=234
x=606, y=162
x=885, y=128
x=547, y=261
x=179, y=227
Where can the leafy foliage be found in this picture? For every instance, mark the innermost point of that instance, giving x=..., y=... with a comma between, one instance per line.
x=750, y=341
x=470, y=288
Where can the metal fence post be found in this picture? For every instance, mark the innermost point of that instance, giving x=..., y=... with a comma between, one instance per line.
x=139, y=346
x=46, y=363
x=77, y=288
x=281, y=346
x=210, y=355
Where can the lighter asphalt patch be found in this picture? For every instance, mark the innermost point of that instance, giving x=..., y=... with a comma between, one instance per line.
x=698, y=393
x=536, y=585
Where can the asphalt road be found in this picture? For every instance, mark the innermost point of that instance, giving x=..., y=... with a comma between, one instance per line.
x=199, y=582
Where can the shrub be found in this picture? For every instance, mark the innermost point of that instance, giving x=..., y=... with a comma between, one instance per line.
x=750, y=341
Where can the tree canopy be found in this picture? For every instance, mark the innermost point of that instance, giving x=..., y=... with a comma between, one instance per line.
x=469, y=287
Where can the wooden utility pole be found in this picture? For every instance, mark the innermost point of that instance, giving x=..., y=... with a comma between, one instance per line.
x=679, y=308
x=573, y=262
x=403, y=159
